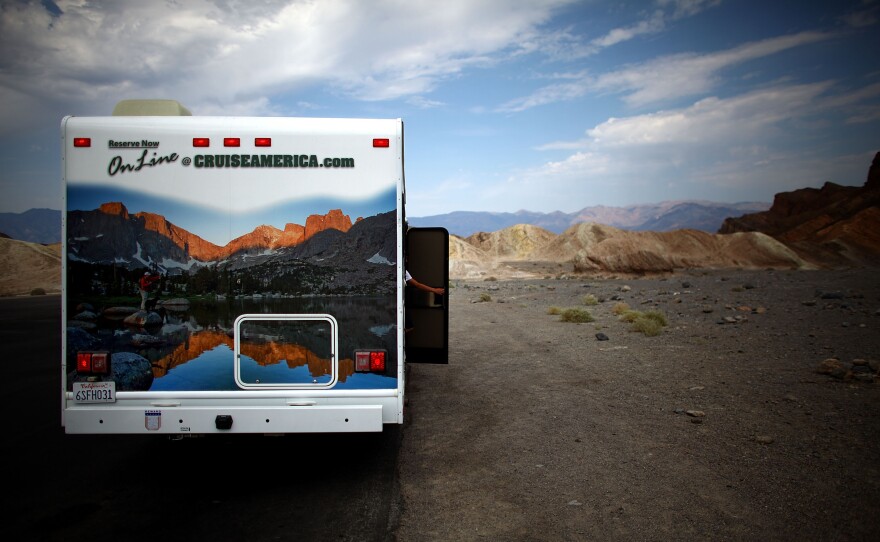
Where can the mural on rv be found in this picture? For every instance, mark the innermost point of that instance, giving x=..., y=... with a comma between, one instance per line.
x=179, y=336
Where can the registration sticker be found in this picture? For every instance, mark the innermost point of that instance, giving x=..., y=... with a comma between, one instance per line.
x=94, y=392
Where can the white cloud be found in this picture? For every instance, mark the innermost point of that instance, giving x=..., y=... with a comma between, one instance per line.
x=678, y=76
x=663, y=79
x=549, y=94
x=563, y=45
x=866, y=15
x=653, y=24
x=434, y=198
x=213, y=54
x=687, y=8
x=713, y=121
x=747, y=144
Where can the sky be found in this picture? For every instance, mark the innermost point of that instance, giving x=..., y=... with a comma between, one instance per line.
x=538, y=105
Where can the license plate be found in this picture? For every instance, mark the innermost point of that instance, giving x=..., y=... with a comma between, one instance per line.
x=94, y=392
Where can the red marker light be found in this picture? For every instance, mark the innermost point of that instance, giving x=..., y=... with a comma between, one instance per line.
x=263, y=142
x=82, y=142
x=381, y=142
x=201, y=142
x=83, y=362
x=377, y=361
x=231, y=142
x=93, y=363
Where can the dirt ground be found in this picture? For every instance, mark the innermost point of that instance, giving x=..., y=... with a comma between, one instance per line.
x=720, y=428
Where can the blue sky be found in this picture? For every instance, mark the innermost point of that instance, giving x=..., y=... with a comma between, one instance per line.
x=541, y=105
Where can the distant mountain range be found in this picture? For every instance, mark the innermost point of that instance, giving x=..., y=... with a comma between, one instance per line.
x=665, y=216
x=44, y=225
x=832, y=227
x=34, y=226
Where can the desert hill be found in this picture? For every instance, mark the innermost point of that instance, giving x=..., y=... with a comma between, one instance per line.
x=829, y=227
x=27, y=266
x=832, y=226
x=518, y=242
x=600, y=249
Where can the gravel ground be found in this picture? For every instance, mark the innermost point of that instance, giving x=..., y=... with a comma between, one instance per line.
x=720, y=428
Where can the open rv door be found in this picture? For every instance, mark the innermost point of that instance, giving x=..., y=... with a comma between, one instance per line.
x=427, y=256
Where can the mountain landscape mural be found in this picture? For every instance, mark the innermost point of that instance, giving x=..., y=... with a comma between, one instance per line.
x=328, y=254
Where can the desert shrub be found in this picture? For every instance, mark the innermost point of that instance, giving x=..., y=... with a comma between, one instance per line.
x=590, y=300
x=554, y=311
x=619, y=308
x=485, y=298
x=38, y=291
x=577, y=316
x=629, y=316
x=650, y=323
x=658, y=316
x=490, y=279
x=649, y=326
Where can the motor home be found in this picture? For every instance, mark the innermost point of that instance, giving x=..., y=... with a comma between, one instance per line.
x=240, y=274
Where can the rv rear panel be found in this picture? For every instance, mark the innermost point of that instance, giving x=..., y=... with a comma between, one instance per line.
x=237, y=275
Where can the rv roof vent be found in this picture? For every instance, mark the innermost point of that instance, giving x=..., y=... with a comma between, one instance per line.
x=150, y=108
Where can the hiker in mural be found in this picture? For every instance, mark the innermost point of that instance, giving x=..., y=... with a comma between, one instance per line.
x=147, y=284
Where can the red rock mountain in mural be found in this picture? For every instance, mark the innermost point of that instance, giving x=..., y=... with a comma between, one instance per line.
x=333, y=220
x=117, y=225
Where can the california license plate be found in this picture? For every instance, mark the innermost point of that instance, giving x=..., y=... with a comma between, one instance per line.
x=94, y=392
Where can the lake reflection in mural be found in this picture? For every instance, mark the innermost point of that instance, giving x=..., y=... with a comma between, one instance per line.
x=193, y=350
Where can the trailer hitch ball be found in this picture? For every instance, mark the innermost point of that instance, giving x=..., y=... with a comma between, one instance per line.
x=223, y=421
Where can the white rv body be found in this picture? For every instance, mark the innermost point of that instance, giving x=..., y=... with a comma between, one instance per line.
x=280, y=247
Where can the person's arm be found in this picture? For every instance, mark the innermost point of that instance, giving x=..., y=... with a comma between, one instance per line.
x=425, y=287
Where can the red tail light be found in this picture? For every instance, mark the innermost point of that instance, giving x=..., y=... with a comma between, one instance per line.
x=369, y=361
x=232, y=142
x=95, y=363
x=201, y=142
x=377, y=361
x=263, y=142
x=82, y=142
x=84, y=362
x=381, y=142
